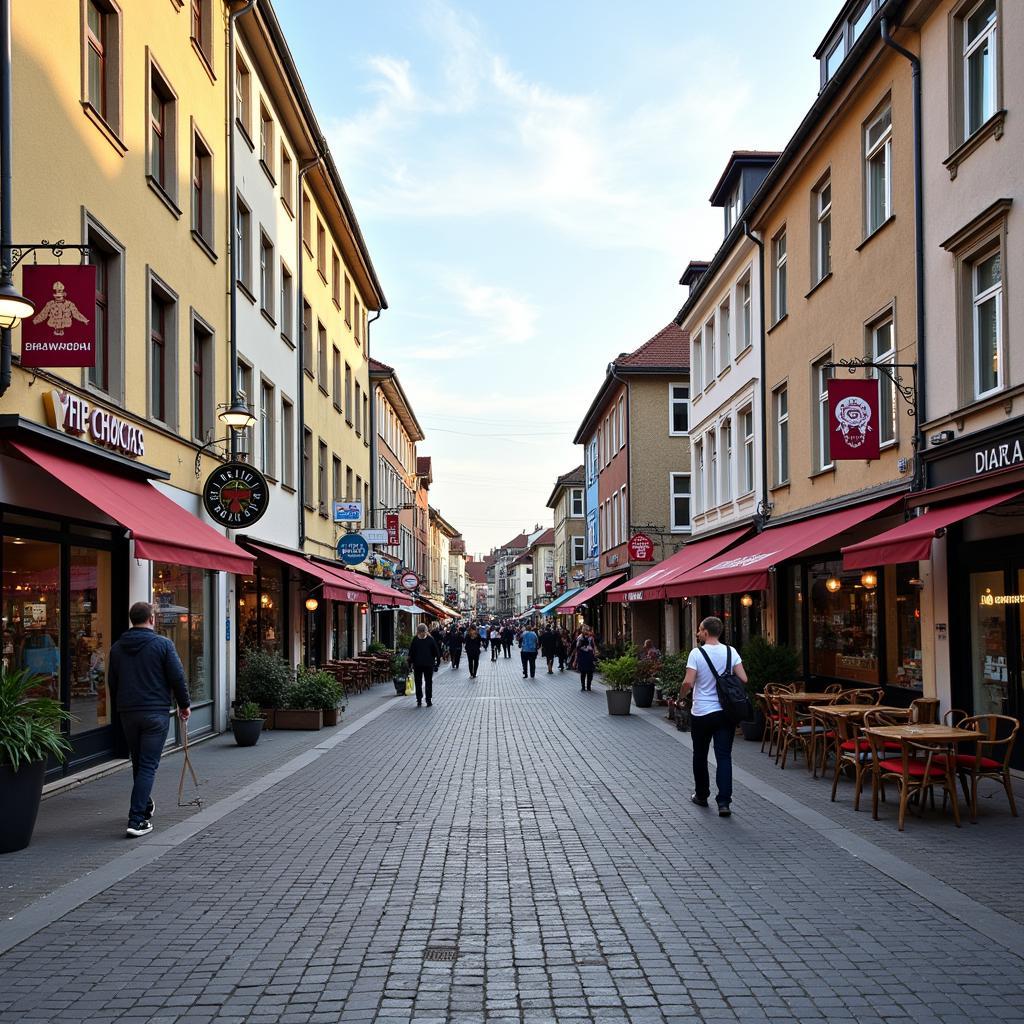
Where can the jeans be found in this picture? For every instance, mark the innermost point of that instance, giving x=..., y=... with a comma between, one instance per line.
x=423, y=675
x=508, y=648
x=473, y=661
x=586, y=678
x=146, y=733
x=495, y=648
x=529, y=659
x=706, y=729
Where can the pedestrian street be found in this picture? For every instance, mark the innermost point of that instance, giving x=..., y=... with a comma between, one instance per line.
x=513, y=853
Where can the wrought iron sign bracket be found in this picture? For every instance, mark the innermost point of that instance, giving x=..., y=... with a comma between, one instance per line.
x=204, y=450
x=908, y=392
x=14, y=254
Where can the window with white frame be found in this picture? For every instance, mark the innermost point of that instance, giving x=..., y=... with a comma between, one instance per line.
x=697, y=363
x=623, y=514
x=678, y=409
x=878, y=169
x=779, y=260
x=711, y=484
x=266, y=275
x=579, y=550
x=710, y=365
x=746, y=338
x=726, y=443
x=986, y=282
x=823, y=230
x=622, y=422
x=883, y=351
x=612, y=436
x=576, y=502
x=780, y=404
x=747, y=462
x=698, y=477
x=679, y=502
x=725, y=333
x=978, y=31
x=821, y=374
x=732, y=208
x=268, y=428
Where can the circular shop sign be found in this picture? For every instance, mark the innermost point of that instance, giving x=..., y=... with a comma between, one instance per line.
x=353, y=549
x=409, y=581
x=236, y=495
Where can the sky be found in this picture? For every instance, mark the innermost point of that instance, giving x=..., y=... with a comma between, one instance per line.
x=531, y=179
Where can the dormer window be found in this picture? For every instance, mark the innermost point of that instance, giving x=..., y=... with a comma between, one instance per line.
x=732, y=208
x=860, y=20
x=835, y=57
x=833, y=51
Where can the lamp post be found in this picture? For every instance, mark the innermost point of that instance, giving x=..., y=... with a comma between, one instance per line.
x=236, y=417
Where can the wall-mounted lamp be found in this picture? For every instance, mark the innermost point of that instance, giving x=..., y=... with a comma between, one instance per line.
x=746, y=600
x=312, y=604
x=942, y=437
x=833, y=584
x=869, y=579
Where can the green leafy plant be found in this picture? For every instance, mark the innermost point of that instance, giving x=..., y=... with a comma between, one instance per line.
x=378, y=648
x=671, y=673
x=399, y=666
x=29, y=724
x=315, y=689
x=622, y=672
x=766, y=662
x=263, y=678
x=403, y=641
x=247, y=712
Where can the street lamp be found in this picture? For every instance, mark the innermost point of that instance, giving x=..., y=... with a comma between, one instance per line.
x=236, y=416
x=14, y=307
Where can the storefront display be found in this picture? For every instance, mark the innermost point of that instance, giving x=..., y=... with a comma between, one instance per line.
x=262, y=611
x=843, y=639
x=183, y=600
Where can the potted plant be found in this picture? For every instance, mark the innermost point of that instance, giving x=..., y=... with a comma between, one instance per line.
x=247, y=724
x=399, y=671
x=671, y=673
x=619, y=674
x=643, y=685
x=263, y=678
x=29, y=735
x=313, y=693
x=765, y=663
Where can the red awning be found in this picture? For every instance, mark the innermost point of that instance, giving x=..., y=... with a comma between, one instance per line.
x=746, y=567
x=334, y=589
x=568, y=607
x=375, y=591
x=912, y=541
x=433, y=608
x=162, y=530
x=650, y=585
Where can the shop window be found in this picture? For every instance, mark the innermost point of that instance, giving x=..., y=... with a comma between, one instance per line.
x=990, y=644
x=904, y=624
x=107, y=255
x=101, y=59
x=844, y=636
x=183, y=600
x=31, y=611
x=261, y=611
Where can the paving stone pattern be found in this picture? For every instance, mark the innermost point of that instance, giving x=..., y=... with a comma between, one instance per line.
x=554, y=847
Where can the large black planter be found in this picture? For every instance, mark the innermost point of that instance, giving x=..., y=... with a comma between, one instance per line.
x=754, y=730
x=643, y=694
x=246, y=733
x=618, y=701
x=20, y=793
x=399, y=682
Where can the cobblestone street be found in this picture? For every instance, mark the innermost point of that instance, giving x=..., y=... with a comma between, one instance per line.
x=515, y=854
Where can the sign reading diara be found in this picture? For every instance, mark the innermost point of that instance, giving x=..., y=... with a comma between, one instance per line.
x=236, y=495
x=76, y=416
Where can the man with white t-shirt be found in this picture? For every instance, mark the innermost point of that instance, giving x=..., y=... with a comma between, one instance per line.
x=708, y=722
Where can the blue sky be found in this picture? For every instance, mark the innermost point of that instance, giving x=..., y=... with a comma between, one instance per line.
x=531, y=179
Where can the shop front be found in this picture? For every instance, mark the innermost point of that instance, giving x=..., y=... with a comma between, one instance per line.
x=591, y=603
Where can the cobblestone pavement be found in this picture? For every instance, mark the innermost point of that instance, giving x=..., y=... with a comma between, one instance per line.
x=553, y=851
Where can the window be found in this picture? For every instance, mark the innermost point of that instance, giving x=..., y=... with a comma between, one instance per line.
x=779, y=263
x=698, y=464
x=245, y=393
x=780, y=402
x=321, y=478
x=266, y=140
x=336, y=279
x=746, y=338
x=883, y=350
x=610, y=428
x=615, y=538
x=162, y=133
x=102, y=62
x=710, y=367
x=202, y=13
x=986, y=279
x=678, y=409
x=820, y=377
x=202, y=381
x=336, y=478
x=978, y=29
x=162, y=361
x=108, y=258
x=823, y=230
x=697, y=363
x=243, y=96
x=366, y=419
x=835, y=57
x=348, y=483
x=348, y=394
x=579, y=550
x=878, y=169
x=268, y=431
x=622, y=422
x=576, y=502
x=307, y=467
x=307, y=222
x=732, y=208
x=287, y=443
x=725, y=333
x=747, y=463
x=726, y=442
x=243, y=245
x=358, y=410
x=348, y=301
x=860, y=20
x=321, y=356
x=679, y=501
x=711, y=485
x=357, y=317
x=336, y=379
x=287, y=179
x=284, y=314
x=321, y=249
x=266, y=275
x=307, y=338
x=202, y=189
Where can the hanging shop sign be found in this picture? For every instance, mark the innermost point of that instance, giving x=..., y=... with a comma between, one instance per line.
x=348, y=511
x=375, y=536
x=391, y=525
x=353, y=549
x=853, y=419
x=76, y=416
x=236, y=495
x=62, y=332
x=641, y=548
x=457, y=546
x=408, y=580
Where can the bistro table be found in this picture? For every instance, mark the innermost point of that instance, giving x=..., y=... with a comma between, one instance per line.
x=916, y=733
x=792, y=719
x=848, y=712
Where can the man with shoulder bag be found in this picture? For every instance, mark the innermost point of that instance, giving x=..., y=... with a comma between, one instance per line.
x=715, y=676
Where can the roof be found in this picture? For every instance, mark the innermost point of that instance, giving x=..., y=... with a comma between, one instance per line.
x=739, y=159
x=574, y=478
x=547, y=538
x=516, y=542
x=476, y=571
x=694, y=271
x=524, y=559
x=391, y=386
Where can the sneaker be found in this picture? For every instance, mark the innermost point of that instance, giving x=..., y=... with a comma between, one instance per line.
x=150, y=809
x=419, y=703
x=139, y=828
x=699, y=801
x=724, y=811
x=429, y=705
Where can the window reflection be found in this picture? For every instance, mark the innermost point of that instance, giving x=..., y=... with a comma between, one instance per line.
x=31, y=610
x=182, y=597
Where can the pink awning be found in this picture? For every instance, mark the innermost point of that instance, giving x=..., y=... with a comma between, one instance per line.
x=912, y=541
x=650, y=585
x=334, y=589
x=375, y=591
x=162, y=530
x=591, y=592
x=746, y=567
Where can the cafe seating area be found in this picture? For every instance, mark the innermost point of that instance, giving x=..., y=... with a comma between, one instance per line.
x=903, y=752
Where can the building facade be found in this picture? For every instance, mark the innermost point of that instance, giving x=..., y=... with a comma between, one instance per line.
x=567, y=502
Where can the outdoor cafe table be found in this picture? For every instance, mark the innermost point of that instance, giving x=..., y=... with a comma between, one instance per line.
x=823, y=711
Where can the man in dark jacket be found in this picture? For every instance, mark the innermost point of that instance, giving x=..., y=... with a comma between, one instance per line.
x=508, y=634
x=145, y=677
x=549, y=647
x=455, y=646
x=424, y=657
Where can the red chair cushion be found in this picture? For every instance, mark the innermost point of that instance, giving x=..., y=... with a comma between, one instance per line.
x=854, y=745
x=914, y=768
x=984, y=763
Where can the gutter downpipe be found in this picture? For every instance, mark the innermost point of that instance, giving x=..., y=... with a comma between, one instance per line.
x=764, y=508
x=233, y=16
x=920, y=388
x=6, y=177
x=371, y=512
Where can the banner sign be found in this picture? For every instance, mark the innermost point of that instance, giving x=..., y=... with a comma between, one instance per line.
x=352, y=548
x=457, y=546
x=348, y=511
x=391, y=525
x=641, y=548
x=375, y=536
x=62, y=332
x=853, y=419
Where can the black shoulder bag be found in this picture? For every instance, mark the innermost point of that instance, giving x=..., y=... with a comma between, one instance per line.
x=732, y=694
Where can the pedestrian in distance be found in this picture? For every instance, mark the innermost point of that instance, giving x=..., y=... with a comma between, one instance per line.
x=586, y=657
x=438, y=638
x=484, y=635
x=495, y=648
x=145, y=676
x=562, y=649
x=474, y=641
x=455, y=647
x=424, y=657
x=507, y=636
x=549, y=647
x=649, y=652
x=528, y=652
x=708, y=721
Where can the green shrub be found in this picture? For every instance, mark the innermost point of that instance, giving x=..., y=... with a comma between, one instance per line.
x=262, y=678
x=766, y=662
x=316, y=689
x=378, y=648
x=622, y=672
x=247, y=712
x=671, y=673
x=29, y=724
x=399, y=665
x=403, y=641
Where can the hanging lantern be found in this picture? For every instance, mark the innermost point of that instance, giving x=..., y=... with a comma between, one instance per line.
x=746, y=600
x=869, y=579
x=312, y=604
x=833, y=584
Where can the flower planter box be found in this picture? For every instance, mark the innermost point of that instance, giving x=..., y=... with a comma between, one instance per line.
x=332, y=717
x=298, y=718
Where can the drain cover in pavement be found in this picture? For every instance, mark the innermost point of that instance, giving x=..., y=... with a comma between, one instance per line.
x=441, y=953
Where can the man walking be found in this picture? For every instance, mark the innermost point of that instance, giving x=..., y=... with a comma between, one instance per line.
x=708, y=722
x=424, y=656
x=528, y=651
x=507, y=636
x=146, y=677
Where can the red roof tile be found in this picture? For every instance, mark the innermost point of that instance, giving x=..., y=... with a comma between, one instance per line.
x=670, y=347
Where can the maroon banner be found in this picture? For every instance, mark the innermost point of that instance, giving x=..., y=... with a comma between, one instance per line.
x=641, y=548
x=391, y=525
x=852, y=419
x=62, y=332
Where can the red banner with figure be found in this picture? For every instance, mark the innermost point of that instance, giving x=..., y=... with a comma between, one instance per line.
x=852, y=419
x=391, y=525
x=62, y=331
